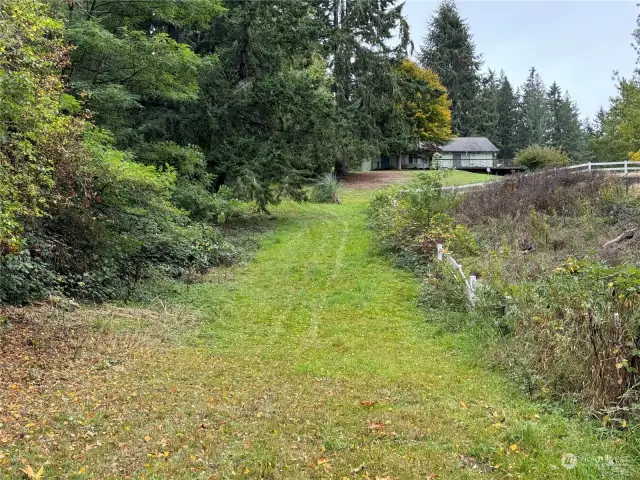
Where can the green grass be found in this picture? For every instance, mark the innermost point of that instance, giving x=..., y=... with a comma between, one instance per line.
x=457, y=177
x=272, y=385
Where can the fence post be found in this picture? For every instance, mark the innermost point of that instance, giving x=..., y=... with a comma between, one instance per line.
x=472, y=290
x=589, y=166
x=626, y=167
x=439, y=246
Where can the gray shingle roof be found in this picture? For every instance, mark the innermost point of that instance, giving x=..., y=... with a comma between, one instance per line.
x=470, y=144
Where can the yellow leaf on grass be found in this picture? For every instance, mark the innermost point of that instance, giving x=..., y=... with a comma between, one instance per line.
x=31, y=475
x=514, y=447
x=147, y=438
x=322, y=460
x=463, y=404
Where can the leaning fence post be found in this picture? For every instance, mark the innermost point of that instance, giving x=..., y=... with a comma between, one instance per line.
x=472, y=289
x=439, y=246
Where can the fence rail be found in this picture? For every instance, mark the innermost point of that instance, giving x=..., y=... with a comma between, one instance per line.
x=470, y=283
x=625, y=167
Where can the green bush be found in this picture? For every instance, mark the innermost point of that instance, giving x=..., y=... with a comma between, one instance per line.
x=535, y=157
x=576, y=330
x=23, y=278
x=325, y=190
x=101, y=245
x=410, y=220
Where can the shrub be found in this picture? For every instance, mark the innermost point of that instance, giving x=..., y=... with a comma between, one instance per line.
x=561, y=192
x=325, y=190
x=102, y=245
x=577, y=330
x=410, y=221
x=23, y=278
x=535, y=157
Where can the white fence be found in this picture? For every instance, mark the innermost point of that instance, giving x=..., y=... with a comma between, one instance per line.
x=470, y=283
x=624, y=168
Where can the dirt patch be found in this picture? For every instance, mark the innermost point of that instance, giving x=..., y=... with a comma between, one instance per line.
x=380, y=179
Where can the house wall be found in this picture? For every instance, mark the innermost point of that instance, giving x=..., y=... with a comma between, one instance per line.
x=469, y=159
x=413, y=162
x=407, y=162
x=469, y=156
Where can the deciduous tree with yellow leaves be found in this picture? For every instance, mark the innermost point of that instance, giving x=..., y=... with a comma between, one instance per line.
x=422, y=120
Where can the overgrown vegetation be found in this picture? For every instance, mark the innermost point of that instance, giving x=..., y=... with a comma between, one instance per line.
x=557, y=261
x=411, y=219
x=129, y=131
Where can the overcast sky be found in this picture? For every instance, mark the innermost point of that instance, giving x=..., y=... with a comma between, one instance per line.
x=578, y=44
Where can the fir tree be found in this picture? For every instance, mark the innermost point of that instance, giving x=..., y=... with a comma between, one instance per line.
x=363, y=41
x=449, y=51
x=486, y=118
x=565, y=129
x=507, y=110
x=534, y=111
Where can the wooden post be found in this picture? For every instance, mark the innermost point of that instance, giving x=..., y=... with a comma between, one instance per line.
x=589, y=166
x=472, y=289
x=626, y=167
x=439, y=247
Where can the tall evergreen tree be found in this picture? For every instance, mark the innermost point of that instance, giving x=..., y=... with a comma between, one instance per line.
x=448, y=50
x=362, y=41
x=507, y=110
x=565, y=129
x=557, y=117
x=534, y=119
x=486, y=117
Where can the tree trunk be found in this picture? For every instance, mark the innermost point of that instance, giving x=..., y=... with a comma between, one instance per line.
x=341, y=169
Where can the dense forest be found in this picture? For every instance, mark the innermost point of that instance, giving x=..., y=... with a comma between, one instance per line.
x=130, y=130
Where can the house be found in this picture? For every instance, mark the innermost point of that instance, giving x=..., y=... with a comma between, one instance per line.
x=388, y=162
x=467, y=152
x=462, y=152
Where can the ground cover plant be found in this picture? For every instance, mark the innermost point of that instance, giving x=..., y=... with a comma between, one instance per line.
x=556, y=255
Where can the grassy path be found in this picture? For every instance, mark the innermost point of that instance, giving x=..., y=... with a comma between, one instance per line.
x=318, y=325
x=314, y=362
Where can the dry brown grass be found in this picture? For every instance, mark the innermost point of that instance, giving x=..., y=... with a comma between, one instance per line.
x=58, y=362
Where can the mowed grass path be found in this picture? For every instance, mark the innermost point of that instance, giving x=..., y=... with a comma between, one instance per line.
x=318, y=327
x=315, y=361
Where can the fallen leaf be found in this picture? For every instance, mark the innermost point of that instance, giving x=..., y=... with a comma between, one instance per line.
x=367, y=403
x=322, y=460
x=28, y=471
x=376, y=426
x=463, y=404
x=147, y=438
